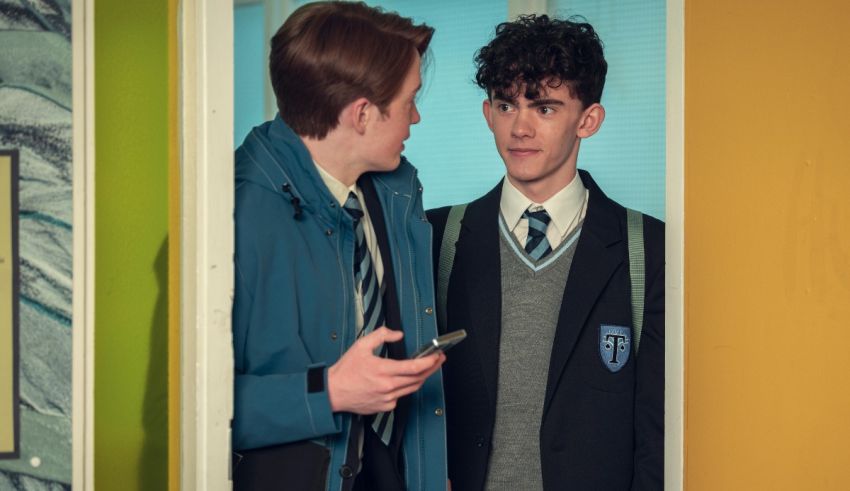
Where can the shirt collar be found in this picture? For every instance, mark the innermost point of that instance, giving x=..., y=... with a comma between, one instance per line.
x=338, y=189
x=562, y=207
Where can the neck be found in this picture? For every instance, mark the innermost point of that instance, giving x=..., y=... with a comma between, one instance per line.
x=329, y=155
x=542, y=189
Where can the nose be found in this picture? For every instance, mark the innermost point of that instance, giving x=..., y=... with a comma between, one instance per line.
x=522, y=126
x=414, y=115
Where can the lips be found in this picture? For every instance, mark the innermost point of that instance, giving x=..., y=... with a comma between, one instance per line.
x=523, y=152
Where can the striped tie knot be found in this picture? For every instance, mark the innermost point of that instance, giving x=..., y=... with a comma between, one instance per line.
x=537, y=245
x=352, y=206
x=362, y=260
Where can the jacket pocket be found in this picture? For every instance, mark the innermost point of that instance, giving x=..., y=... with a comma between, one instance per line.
x=607, y=359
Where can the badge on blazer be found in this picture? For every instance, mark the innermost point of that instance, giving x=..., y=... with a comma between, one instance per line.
x=615, y=343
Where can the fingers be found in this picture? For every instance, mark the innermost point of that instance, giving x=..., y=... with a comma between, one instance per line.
x=414, y=383
x=380, y=336
x=440, y=361
x=412, y=368
x=418, y=378
x=398, y=394
x=390, y=399
x=393, y=387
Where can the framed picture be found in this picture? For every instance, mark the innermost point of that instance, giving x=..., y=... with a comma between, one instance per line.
x=9, y=287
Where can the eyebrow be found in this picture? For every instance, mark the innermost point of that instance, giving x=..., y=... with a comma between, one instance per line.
x=546, y=102
x=534, y=103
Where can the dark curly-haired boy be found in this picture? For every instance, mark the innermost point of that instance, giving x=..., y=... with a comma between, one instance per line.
x=561, y=290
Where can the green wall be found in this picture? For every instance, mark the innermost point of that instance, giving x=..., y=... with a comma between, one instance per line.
x=131, y=223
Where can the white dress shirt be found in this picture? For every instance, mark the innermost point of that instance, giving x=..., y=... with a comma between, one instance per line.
x=566, y=208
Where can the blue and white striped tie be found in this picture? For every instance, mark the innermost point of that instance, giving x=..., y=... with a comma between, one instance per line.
x=371, y=294
x=537, y=245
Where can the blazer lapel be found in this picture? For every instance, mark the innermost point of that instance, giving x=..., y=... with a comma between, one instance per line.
x=596, y=258
x=477, y=266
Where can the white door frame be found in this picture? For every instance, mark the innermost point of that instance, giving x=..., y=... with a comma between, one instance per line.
x=674, y=299
x=206, y=242
x=82, y=331
x=206, y=101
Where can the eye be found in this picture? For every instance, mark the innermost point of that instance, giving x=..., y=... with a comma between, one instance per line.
x=546, y=110
x=503, y=107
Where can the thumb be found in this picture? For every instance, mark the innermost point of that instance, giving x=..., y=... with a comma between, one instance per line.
x=380, y=336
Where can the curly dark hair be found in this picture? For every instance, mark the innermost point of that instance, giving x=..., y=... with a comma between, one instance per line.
x=536, y=49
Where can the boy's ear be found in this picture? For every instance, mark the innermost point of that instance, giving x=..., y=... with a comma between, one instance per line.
x=357, y=114
x=591, y=120
x=486, y=108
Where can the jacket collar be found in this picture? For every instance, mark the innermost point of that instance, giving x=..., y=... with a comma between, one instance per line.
x=274, y=157
x=602, y=220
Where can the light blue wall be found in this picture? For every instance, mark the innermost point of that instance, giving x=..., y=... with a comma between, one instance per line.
x=627, y=156
x=248, y=61
x=452, y=146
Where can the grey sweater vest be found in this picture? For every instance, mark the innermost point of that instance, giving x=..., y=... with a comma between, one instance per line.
x=531, y=301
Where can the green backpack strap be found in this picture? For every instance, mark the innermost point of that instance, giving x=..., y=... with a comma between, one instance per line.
x=637, y=268
x=451, y=232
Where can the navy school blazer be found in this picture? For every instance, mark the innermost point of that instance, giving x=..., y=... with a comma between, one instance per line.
x=600, y=429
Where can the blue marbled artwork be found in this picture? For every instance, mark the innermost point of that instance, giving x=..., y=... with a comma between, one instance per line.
x=35, y=118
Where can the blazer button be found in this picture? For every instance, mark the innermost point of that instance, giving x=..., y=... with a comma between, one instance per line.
x=334, y=336
x=479, y=441
x=438, y=411
x=429, y=310
x=346, y=472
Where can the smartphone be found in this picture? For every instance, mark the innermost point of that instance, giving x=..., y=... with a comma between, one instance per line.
x=441, y=343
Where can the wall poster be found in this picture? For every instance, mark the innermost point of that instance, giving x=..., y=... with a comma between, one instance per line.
x=9, y=418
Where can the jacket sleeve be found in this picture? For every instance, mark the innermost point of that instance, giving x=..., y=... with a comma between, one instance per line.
x=280, y=393
x=649, y=391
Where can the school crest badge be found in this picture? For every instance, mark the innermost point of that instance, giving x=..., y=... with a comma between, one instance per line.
x=615, y=346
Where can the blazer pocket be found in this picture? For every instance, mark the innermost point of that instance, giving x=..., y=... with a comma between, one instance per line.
x=299, y=465
x=607, y=358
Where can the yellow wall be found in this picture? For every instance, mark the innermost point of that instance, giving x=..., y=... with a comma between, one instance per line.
x=767, y=264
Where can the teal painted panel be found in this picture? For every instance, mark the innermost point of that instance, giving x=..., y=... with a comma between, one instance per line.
x=35, y=117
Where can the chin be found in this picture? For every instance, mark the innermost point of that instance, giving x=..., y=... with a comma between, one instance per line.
x=390, y=165
x=522, y=172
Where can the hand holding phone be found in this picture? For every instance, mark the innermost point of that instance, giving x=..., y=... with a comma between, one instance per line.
x=441, y=343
